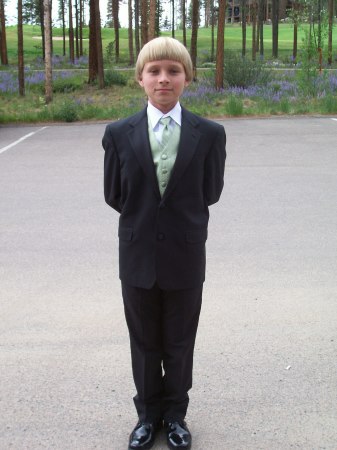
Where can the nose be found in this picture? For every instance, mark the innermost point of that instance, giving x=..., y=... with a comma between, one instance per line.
x=163, y=77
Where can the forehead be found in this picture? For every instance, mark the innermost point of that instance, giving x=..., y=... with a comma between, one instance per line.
x=164, y=63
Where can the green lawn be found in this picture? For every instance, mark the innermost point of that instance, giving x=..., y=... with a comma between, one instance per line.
x=33, y=43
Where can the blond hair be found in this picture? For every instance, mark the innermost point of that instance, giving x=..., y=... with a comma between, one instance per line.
x=164, y=48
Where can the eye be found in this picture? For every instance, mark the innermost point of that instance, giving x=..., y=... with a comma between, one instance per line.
x=175, y=70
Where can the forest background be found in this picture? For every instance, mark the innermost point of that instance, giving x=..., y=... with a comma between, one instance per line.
x=249, y=57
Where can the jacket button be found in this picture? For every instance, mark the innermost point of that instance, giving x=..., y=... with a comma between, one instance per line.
x=161, y=236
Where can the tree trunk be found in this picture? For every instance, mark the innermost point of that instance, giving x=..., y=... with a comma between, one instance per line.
x=194, y=36
x=244, y=26
x=81, y=27
x=99, y=50
x=331, y=11
x=48, y=54
x=93, y=68
x=173, y=25
x=295, y=42
x=207, y=13
x=253, y=15
x=212, y=29
x=77, y=45
x=71, y=33
x=257, y=37
x=183, y=20
x=152, y=19
x=159, y=11
x=130, y=35
x=115, y=16
x=137, y=41
x=63, y=26
x=21, y=65
x=319, y=20
x=261, y=17
x=144, y=22
x=51, y=27
x=3, y=42
x=275, y=21
x=295, y=34
x=41, y=17
x=219, y=72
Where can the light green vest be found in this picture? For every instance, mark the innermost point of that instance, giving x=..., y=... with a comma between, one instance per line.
x=164, y=156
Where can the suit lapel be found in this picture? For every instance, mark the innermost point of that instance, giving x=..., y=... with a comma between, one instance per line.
x=139, y=139
x=189, y=139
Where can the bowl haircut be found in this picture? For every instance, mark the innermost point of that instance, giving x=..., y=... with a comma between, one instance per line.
x=164, y=48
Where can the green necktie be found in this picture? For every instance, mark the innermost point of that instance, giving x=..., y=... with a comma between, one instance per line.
x=166, y=131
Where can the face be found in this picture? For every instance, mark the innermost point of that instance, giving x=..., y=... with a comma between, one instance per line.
x=163, y=81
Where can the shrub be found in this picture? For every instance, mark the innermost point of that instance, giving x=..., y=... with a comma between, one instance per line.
x=112, y=77
x=110, y=52
x=208, y=65
x=204, y=57
x=66, y=84
x=242, y=72
x=67, y=111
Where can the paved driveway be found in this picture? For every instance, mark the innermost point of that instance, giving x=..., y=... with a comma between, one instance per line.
x=265, y=366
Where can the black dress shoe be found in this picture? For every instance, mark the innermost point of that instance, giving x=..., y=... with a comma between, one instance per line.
x=142, y=436
x=178, y=435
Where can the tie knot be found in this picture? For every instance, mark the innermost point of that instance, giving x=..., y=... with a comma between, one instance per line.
x=165, y=121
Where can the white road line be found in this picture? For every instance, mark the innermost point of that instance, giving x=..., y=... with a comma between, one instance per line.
x=333, y=119
x=3, y=149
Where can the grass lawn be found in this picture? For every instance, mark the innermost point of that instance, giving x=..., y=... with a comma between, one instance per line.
x=33, y=42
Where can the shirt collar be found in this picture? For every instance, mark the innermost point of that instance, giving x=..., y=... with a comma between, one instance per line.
x=155, y=114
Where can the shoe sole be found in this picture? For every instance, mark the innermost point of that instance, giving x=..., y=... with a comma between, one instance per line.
x=144, y=447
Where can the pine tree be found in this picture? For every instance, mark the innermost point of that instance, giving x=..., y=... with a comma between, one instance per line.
x=3, y=41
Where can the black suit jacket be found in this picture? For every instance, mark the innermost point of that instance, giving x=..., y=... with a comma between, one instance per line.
x=163, y=239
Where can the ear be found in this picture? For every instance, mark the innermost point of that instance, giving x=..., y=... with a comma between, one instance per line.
x=187, y=83
x=140, y=82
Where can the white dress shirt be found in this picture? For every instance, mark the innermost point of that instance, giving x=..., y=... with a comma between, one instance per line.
x=154, y=115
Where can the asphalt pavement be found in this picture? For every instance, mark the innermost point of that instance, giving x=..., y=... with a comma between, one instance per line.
x=265, y=373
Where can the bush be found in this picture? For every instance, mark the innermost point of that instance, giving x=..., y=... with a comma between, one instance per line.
x=110, y=52
x=112, y=77
x=242, y=72
x=67, y=111
x=65, y=85
x=204, y=57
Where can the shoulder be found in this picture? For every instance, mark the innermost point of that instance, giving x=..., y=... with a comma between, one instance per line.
x=123, y=125
x=202, y=123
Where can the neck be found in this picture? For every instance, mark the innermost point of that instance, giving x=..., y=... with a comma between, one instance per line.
x=164, y=108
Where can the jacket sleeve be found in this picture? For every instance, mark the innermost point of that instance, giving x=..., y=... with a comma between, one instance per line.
x=215, y=168
x=112, y=176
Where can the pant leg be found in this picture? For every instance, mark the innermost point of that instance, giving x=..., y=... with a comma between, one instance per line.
x=181, y=310
x=143, y=313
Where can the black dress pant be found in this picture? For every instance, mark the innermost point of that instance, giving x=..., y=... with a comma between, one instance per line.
x=162, y=326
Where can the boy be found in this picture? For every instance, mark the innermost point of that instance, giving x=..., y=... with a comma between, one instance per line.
x=163, y=167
